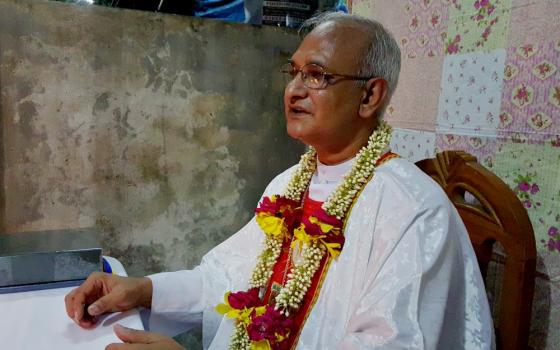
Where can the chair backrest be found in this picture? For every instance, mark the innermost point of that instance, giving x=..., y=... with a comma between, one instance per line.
x=496, y=215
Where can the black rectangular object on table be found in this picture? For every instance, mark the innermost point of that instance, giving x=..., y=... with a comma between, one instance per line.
x=47, y=257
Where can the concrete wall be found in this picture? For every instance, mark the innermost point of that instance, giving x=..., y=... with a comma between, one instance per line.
x=162, y=131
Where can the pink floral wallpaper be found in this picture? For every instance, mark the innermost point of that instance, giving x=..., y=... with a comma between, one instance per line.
x=531, y=93
x=484, y=76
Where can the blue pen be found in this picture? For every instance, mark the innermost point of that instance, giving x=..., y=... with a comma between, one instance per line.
x=106, y=267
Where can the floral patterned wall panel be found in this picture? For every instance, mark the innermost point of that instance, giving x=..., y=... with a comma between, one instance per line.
x=483, y=76
x=413, y=144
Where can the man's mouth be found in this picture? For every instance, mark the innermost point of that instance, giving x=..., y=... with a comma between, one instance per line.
x=296, y=110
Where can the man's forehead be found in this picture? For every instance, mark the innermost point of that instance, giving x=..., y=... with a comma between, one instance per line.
x=331, y=43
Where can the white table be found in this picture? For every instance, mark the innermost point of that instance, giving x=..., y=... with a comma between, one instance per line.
x=38, y=320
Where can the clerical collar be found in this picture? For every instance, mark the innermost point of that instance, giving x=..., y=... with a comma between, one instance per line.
x=329, y=174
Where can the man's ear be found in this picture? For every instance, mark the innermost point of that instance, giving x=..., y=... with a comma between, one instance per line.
x=373, y=96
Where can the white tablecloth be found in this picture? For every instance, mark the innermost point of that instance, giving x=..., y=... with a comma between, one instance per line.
x=38, y=320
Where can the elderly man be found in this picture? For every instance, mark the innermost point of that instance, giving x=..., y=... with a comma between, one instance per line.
x=358, y=248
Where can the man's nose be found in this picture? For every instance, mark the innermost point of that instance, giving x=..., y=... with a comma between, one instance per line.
x=295, y=88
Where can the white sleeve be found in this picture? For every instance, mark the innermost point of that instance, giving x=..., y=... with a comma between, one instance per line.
x=190, y=296
x=417, y=300
x=183, y=299
x=176, y=302
x=178, y=294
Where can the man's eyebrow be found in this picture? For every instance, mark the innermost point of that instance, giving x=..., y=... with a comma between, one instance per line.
x=312, y=61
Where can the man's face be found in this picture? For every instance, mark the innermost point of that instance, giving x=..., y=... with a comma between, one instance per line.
x=325, y=119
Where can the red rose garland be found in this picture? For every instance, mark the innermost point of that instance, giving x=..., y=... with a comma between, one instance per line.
x=262, y=326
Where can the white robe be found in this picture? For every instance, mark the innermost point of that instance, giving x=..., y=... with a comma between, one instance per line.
x=407, y=277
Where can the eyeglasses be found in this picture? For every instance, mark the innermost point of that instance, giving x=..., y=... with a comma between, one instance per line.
x=315, y=77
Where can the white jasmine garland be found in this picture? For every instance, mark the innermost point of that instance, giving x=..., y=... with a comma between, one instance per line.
x=300, y=180
x=338, y=204
x=239, y=338
x=266, y=261
x=341, y=199
x=299, y=280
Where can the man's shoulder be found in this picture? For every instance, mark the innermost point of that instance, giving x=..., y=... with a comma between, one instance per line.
x=401, y=176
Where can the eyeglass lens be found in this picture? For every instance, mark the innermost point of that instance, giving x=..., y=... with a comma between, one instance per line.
x=312, y=75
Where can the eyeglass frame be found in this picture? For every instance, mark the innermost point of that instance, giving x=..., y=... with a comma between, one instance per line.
x=293, y=72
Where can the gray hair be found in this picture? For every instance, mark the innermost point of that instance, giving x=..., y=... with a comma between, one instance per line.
x=382, y=57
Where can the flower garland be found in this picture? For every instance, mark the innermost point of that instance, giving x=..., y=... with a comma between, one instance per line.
x=260, y=326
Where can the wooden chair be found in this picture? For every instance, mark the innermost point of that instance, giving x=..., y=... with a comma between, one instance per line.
x=498, y=216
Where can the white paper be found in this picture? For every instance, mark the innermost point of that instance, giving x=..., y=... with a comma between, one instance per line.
x=38, y=320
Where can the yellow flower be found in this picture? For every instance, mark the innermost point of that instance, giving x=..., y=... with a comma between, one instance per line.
x=324, y=227
x=280, y=338
x=243, y=315
x=272, y=225
x=261, y=345
x=302, y=237
x=333, y=248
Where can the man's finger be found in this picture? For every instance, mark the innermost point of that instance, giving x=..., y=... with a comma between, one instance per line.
x=115, y=300
x=102, y=305
x=69, y=303
x=78, y=297
x=78, y=303
x=128, y=335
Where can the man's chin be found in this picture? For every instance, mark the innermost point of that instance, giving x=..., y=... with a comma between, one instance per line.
x=298, y=133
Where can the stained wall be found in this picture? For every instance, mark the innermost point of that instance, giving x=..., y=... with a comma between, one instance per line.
x=159, y=130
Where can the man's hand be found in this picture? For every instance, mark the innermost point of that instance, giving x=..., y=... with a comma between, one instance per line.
x=103, y=292
x=139, y=340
